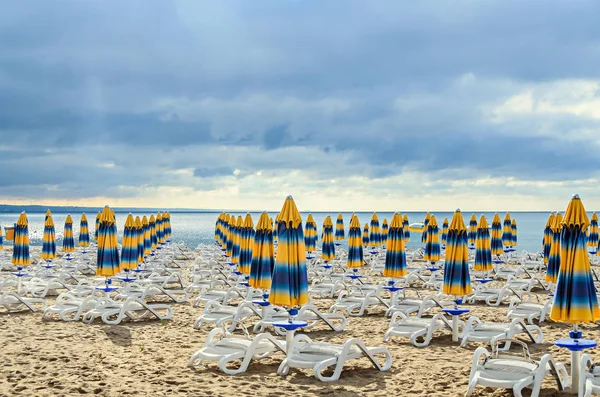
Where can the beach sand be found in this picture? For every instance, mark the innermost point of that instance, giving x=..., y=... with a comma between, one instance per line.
x=54, y=358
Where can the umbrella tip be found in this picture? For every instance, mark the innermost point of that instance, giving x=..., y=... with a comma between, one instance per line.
x=458, y=210
x=575, y=196
x=289, y=197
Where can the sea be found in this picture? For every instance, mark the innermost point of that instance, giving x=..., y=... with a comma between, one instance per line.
x=194, y=227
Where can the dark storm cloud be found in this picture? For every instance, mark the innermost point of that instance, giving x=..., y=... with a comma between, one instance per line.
x=375, y=88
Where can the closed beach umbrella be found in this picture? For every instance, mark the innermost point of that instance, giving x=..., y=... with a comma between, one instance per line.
x=147, y=237
x=223, y=230
x=289, y=287
x=20, y=256
x=129, y=245
x=237, y=240
x=68, y=240
x=405, y=225
x=555, y=251
x=152, y=226
x=107, y=258
x=375, y=231
x=513, y=228
x=339, y=228
x=97, y=226
x=547, y=240
x=507, y=232
x=48, y=214
x=49, y=239
x=261, y=269
x=457, y=280
x=218, y=236
x=365, y=238
x=444, y=232
x=355, y=247
x=247, y=245
x=160, y=229
x=497, y=248
x=310, y=234
x=328, y=247
x=593, y=237
x=432, y=243
x=472, y=230
x=230, y=236
x=575, y=299
x=384, y=231
x=84, y=232
x=395, y=256
x=139, y=228
x=1, y=239
x=167, y=221
x=425, y=224
x=483, y=248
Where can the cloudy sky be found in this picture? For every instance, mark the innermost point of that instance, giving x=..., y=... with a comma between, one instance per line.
x=347, y=105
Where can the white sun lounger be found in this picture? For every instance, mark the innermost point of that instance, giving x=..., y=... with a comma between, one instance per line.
x=319, y=356
x=113, y=313
x=528, y=310
x=223, y=347
x=356, y=304
x=478, y=331
x=217, y=313
x=13, y=302
x=498, y=369
x=589, y=377
x=70, y=307
x=414, y=328
x=308, y=313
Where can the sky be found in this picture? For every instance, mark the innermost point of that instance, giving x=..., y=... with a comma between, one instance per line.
x=346, y=105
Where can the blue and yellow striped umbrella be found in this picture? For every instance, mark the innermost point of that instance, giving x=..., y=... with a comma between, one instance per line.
x=497, y=248
x=147, y=237
x=472, y=230
x=554, y=258
x=97, y=226
x=425, y=224
x=20, y=256
x=237, y=240
x=384, y=231
x=375, y=232
x=405, y=225
x=457, y=280
x=310, y=234
x=547, y=240
x=107, y=258
x=230, y=236
x=395, y=256
x=513, y=228
x=246, y=245
x=218, y=235
x=575, y=299
x=483, y=248
x=328, y=247
x=275, y=228
x=139, y=229
x=84, y=232
x=432, y=243
x=168, y=230
x=355, y=246
x=340, y=233
x=68, y=240
x=1, y=239
x=160, y=229
x=129, y=245
x=263, y=260
x=365, y=237
x=289, y=287
x=507, y=233
x=152, y=226
x=49, y=239
x=593, y=237
x=444, y=232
